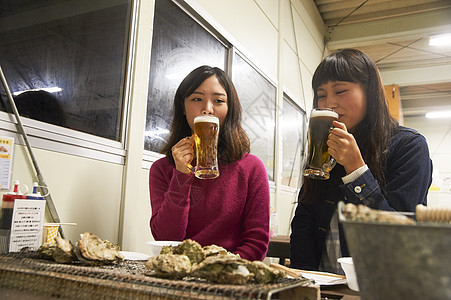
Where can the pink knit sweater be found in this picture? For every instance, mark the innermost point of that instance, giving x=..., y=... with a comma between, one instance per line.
x=231, y=211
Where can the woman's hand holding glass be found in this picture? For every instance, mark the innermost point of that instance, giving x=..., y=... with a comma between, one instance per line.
x=183, y=154
x=344, y=149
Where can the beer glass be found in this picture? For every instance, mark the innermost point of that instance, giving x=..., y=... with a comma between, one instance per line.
x=319, y=161
x=206, y=134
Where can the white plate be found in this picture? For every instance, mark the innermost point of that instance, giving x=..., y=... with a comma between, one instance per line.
x=324, y=278
x=134, y=255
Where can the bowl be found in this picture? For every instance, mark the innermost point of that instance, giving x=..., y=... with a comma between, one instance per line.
x=348, y=267
x=156, y=246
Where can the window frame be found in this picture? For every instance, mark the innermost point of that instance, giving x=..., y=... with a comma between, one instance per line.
x=286, y=97
x=51, y=137
x=271, y=81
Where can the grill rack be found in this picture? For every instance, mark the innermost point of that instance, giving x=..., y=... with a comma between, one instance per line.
x=127, y=280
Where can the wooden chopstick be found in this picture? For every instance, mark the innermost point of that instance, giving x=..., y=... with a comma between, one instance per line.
x=298, y=273
x=323, y=274
x=287, y=270
x=55, y=224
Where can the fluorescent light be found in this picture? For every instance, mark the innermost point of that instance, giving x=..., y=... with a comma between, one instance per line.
x=53, y=89
x=440, y=40
x=438, y=114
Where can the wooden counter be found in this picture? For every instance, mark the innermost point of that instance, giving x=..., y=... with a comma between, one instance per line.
x=279, y=246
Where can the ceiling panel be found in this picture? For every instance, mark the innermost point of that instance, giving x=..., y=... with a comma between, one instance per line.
x=393, y=48
x=342, y=12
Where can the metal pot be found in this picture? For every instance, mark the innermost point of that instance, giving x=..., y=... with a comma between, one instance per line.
x=400, y=261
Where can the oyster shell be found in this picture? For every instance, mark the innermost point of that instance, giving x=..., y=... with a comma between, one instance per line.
x=223, y=269
x=192, y=249
x=215, y=250
x=64, y=251
x=91, y=249
x=167, y=249
x=212, y=263
x=169, y=265
x=364, y=213
x=61, y=251
x=263, y=273
x=46, y=250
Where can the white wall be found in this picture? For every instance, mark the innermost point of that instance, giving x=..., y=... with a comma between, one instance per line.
x=283, y=38
x=436, y=131
x=84, y=191
x=438, y=136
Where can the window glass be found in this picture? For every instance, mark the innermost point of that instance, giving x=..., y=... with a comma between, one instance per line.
x=293, y=133
x=179, y=45
x=257, y=96
x=74, y=54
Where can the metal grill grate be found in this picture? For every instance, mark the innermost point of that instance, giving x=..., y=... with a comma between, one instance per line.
x=126, y=280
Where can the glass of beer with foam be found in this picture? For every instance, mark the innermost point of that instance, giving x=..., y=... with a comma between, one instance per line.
x=206, y=134
x=319, y=161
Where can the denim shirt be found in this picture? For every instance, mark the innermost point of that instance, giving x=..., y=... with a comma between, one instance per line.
x=408, y=175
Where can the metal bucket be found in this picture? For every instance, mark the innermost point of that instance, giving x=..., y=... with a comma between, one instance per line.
x=400, y=261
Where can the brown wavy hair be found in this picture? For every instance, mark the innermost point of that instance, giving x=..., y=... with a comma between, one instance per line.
x=233, y=141
x=378, y=126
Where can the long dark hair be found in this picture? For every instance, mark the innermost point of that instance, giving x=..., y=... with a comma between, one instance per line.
x=233, y=141
x=378, y=126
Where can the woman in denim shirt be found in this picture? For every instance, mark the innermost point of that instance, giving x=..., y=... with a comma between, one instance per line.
x=379, y=163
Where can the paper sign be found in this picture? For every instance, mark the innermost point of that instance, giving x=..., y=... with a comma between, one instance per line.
x=6, y=158
x=27, y=224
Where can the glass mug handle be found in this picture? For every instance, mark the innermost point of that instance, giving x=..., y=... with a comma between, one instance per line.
x=190, y=167
x=327, y=167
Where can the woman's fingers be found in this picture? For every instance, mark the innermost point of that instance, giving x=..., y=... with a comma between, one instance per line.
x=183, y=154
x=343, y=148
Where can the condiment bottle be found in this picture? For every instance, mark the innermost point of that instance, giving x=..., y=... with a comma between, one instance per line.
x=8, y=206
x=35, y=195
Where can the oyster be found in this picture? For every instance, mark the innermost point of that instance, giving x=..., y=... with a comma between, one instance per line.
x=215, y=250
x=61, y=251
x=46, y=250
x=263, y=273
x=91, y=249
x=364, y=213
x=64, y=251
x=192, y=249
x=223, y=269
x=212, y=263
x=169, y=265
x=167, y=249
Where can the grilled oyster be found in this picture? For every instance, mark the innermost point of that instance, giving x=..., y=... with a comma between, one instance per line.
x=90, y=249
x=61, y=251
x=263, y=273
x=167, y=249
x=169, y=265
x=223, y=269
x=215, y=250
x=192, y=249
x=46, y=250
x=190, y=246
x=64, y=251
x=364, y=213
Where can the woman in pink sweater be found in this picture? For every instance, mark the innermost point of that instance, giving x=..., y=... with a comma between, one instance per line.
x=232, y=210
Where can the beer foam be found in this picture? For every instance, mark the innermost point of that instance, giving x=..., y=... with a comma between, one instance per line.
x=323, y=113
x=209, y=119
